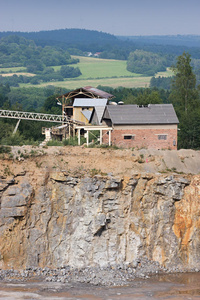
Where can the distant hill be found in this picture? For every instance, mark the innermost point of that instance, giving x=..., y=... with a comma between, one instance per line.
x=69, y=37
x=175, y=40
x=112, y=47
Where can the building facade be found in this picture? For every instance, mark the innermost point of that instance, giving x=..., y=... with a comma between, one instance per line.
x=153, y=126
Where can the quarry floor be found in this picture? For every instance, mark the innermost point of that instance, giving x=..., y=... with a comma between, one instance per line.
x=171, y=286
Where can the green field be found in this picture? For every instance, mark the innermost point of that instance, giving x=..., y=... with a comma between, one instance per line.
x=112, y=82
x=98, y=68
x=12, y=70
x=167, y=73
x=96, y=71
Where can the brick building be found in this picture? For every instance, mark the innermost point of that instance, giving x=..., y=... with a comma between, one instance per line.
x=152, y=126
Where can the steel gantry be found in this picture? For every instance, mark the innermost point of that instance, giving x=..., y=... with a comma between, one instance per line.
x=32, y=116
x=22, y=115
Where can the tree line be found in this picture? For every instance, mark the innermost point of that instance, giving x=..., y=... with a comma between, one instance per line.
x=146, y=63
x=16, y=51
x=47, y=75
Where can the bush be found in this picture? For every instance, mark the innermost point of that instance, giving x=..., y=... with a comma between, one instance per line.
x=5, y=149
x=17, y=140
x=72, y=141
x=69, y=72
x=54, y=143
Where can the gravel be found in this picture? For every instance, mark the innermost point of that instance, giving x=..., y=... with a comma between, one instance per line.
x=117, y=275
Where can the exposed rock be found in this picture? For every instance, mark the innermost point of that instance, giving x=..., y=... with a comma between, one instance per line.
x=22, y=173
x=58, y=176
x=101, y=222
x=113, y=183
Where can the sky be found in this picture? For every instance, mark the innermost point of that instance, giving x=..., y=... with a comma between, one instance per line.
x=118, y=17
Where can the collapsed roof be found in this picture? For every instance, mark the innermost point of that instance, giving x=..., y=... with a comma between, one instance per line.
x=84, y=92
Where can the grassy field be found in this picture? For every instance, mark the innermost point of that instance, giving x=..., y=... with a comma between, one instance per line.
x=98, y=68
x=12, y=70
x=167, y=73
x=96, y=71
x=112, y=82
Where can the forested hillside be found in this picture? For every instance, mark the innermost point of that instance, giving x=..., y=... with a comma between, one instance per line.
x=16, y=51
x=68, y=38
x=110, y=46
x=174, y=40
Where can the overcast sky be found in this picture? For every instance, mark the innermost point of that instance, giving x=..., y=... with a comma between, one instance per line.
x=119, y=17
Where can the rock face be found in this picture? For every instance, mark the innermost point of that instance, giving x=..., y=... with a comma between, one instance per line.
x=99, y=221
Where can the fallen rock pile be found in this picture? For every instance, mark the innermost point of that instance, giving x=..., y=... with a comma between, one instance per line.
x=118, y=275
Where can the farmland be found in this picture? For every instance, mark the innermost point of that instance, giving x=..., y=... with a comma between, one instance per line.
x=101, y=68
x=106, y=72
x=96, y=71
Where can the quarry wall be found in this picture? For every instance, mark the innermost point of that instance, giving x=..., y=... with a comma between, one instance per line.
x=88, y=220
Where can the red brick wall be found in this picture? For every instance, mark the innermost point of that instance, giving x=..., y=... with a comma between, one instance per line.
x=144, y=137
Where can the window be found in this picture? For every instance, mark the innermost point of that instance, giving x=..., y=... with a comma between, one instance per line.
x=129, y=137
x=69, y=111
x=162, y=136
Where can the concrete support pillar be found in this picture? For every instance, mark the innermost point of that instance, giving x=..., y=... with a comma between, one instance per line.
x=109, y=135
x=79, y=137
x=87, y=138
x=100, y=136
x=16, y=127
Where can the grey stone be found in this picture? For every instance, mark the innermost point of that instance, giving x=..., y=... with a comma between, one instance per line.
x=91, y=222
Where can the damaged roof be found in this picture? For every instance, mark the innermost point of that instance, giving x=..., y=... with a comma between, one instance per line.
x=98, y=92
x=88, y=92
x=136, y=115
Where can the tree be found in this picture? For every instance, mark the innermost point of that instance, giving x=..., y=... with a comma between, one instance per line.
x=189, y=134
x=184, y=94
x=69, y=72
x=50, y=105
x=143, y=97
x=146, y=63
x=185, y=97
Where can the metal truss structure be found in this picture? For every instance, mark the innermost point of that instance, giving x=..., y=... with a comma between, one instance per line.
x=22, y=115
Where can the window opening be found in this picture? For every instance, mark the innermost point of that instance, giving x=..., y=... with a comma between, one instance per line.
x=162, y=136
x=129, y=137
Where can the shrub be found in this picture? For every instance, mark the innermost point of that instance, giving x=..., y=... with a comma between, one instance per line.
x=54, y=143
x=73, y=141
x=5, y=149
